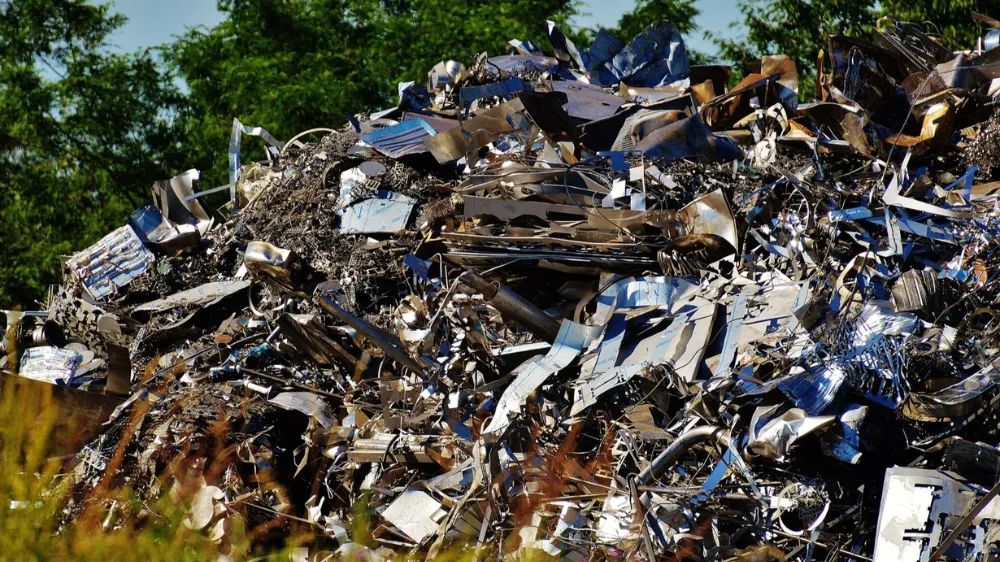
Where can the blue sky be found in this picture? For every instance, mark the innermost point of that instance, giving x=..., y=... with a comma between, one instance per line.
x=152, y=22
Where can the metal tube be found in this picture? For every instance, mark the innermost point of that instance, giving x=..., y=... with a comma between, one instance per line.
x=678, y=447
x=386, y=342
x=514, y=306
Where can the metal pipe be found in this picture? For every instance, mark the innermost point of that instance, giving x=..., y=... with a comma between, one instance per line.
x=678, y=447
x=291, y=383
x=385, y=341
x=514, y=306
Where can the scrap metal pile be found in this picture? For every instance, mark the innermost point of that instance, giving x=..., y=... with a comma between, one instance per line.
x=575, y=303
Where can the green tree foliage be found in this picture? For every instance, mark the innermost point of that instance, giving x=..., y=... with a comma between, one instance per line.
x=411, y=36
x=284, y=66
x=798, y=28
x=83, y=132
x=292, y=66
x=680, y=12
x=948, y=19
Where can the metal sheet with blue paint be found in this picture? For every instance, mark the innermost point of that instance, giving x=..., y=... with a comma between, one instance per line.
x=375, y=216
x=112, y=263
x=50, y=364
x=402, y=139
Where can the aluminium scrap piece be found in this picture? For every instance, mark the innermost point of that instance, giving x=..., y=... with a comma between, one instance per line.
x=515, y=317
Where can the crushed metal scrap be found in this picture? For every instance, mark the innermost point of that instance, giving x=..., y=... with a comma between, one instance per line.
x=590, y=303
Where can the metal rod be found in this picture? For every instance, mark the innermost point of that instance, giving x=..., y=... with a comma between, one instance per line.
x=293, y=384
x=679, y=489
x=514, y=306
x=679, y=446
x=385, y=341
x=964, y=523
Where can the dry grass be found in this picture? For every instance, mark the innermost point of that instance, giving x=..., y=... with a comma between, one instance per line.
x=110, y=526
x=113, y=523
